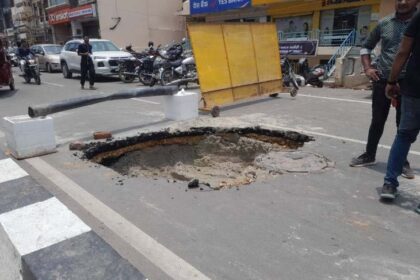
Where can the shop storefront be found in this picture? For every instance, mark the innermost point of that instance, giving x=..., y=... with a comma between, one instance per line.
x=226, y=11
x=68, y=23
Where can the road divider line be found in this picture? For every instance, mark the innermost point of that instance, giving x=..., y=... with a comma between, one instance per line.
x=336, y=99
x=173, y=265
x=333, y=137
x=53, y=84
x=145, y=101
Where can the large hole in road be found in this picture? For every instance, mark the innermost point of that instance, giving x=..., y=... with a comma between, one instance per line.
x=208, y=156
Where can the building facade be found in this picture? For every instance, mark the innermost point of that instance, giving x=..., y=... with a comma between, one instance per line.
x=327, y=22
x=5, y=17
x=30, y=22
x=137, y=22
x=73, y=19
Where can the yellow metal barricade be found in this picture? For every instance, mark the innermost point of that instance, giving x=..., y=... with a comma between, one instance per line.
x=236, y=61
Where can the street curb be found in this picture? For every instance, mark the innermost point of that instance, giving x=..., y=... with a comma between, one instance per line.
x=41, y=239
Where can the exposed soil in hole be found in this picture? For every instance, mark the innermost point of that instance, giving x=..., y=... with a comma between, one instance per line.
x=217, y=158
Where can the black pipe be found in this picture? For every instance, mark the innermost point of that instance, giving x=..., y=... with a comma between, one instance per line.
x=68, y=104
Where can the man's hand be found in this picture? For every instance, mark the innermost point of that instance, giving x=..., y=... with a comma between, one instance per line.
x=392, y=91
x=372, y=73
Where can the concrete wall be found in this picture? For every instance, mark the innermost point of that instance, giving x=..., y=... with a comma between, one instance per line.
x=141, y=21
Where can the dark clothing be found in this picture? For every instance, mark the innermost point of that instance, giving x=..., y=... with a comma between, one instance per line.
x=85, y=70
x=380, y=110
x=389, y=32
x=22, y=52
x=86, y=64
x=83, y=48
x=411, y=86
x=407, y=135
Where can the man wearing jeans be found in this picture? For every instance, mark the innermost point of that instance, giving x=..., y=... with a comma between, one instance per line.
x=389, y=32
x=410, y=109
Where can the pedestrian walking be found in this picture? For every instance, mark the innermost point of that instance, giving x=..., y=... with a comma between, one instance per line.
x=86, y=63
x=389, y=32
x=410, y=108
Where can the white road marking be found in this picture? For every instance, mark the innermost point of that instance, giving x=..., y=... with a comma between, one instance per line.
x=333, y=137
x=336, y=99
x=166, y=260
x=9, y=170
x=53, y=84
x=40, y=225
x=146, y=101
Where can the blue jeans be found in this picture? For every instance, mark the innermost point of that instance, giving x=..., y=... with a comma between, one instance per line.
x=407, y=134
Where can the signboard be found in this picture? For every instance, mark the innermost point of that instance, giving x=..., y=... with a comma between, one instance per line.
x=304, y=48
x=214, y=6
x=67, y=14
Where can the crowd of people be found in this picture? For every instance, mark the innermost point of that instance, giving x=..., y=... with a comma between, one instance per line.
x=394, y=85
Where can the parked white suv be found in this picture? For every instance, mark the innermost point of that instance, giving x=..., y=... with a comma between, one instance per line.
x=105, y=55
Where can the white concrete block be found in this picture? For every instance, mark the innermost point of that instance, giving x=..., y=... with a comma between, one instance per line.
x=27, y=137
x=182, y=106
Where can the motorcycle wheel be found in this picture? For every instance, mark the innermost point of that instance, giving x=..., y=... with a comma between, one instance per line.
x=125, y=78
x=38, y=80
x=27, y=79
x=320, y=84
x=145, y=79
x=166, y=77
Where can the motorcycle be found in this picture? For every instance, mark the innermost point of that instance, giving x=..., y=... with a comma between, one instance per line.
x=177, y=74
x=312, y=75
x=290, y=79
x=30, y=69
x=129, y=68
x=153, y=65
x=13, y=58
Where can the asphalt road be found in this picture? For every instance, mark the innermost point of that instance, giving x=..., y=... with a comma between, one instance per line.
x=328, y=225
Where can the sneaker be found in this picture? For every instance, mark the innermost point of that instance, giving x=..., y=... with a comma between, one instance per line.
x=92, y=88
x=389, y=192
x=407, y=172
x=417, y=210
x=362, y=160
x=82, y=87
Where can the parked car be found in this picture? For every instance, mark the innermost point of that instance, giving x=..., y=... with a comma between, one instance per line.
x=48, y=56
x=105, y=55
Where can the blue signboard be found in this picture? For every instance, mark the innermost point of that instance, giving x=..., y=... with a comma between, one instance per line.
x=213, y=6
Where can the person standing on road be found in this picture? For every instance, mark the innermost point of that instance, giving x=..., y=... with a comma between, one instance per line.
x=389, y=32
x=410, y=108
x=86, y=63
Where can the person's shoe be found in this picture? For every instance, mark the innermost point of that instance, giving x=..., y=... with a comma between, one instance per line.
x=92, y=88
x=417, y=210
x=82, y=87
x=407, y=172
x=389, y=192
x=363, y=160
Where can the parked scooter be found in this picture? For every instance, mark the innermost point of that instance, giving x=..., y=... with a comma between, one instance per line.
x=30, y=69
x=312, y=75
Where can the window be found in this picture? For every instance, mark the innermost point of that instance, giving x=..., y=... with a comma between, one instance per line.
x=103, y=46
x=57, y=2
x=52, y=49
